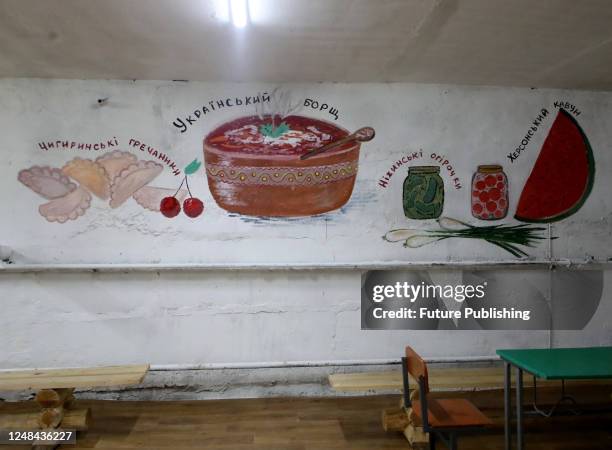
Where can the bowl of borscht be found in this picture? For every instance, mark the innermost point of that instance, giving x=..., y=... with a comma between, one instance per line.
x=254, y=168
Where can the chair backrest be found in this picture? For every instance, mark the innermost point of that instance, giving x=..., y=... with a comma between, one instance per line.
x=416, y=366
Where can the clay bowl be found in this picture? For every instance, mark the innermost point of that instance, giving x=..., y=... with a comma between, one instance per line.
x=263, y=179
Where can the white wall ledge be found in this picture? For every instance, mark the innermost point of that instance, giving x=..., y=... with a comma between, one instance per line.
x=399, y=265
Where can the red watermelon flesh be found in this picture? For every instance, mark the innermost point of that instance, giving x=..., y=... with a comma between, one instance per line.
x=562, y=176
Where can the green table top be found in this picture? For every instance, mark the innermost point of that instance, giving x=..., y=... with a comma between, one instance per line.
x=562, y=363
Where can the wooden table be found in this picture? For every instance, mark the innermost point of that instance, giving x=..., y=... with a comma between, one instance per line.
x=549, y=364
x=55, y=389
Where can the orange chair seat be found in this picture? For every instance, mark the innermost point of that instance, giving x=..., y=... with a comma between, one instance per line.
x=452, y=413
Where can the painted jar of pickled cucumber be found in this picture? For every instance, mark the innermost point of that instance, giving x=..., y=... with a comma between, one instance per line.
x=489, y=193
x=423, y=196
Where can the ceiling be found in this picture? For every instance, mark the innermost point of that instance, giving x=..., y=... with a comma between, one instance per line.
x=544, y=43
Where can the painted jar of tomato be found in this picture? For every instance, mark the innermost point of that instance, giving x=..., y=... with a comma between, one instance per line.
x=489, y=193
x=423, y=196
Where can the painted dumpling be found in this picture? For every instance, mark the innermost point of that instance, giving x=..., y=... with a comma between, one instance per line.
x=90, y=174
x=69, y=207
x=131, y=179
x=116, y=161
x=150, y=197
x=48, y=182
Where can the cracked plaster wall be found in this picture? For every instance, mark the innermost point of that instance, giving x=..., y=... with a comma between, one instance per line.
x=89, y=319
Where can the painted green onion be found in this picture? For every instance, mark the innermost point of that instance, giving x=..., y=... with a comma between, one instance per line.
x=507, y=237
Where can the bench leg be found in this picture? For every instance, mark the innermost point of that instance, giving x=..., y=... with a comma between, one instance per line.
x=417, y=437
x=55, y=413
x=432, y=440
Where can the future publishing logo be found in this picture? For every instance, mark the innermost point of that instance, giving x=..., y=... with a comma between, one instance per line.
x=398, y=301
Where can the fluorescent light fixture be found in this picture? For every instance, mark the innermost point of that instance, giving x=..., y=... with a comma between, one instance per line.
x=265, y=12
x=239, y=10
x=221, y=8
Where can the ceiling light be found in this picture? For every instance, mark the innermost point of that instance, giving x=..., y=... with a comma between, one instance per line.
x=221, y=10
x=239, y=10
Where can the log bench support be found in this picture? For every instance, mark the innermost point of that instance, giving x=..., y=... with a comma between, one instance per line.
x=402, y=420
x=56, y=413
x=55, y=388
x=398, y=420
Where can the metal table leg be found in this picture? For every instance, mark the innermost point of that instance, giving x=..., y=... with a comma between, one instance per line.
x=453, y=441
x=519, y=408
x=507, y=406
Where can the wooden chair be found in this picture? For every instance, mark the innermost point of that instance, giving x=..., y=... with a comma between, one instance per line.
x=441, y=418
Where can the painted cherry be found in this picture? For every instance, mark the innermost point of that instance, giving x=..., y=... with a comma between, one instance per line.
x=193, y=207
x=170, y=207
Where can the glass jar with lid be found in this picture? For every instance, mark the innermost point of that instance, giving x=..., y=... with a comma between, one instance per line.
x=423, y=193
x=489, y=193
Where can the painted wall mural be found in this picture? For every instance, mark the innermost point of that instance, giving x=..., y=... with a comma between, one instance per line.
x=282, y=165
x=298, y=180
x=423, y=196
x=562, y=177
x=559, y=184
x=170, y=205
x=113, y=177
x=490, y=193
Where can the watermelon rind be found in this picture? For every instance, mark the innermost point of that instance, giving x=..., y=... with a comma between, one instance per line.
x=589, y=185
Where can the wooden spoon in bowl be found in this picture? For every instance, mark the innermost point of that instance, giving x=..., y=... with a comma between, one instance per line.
x=363, y=134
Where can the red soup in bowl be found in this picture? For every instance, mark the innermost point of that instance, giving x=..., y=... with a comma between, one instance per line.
x=253, y=166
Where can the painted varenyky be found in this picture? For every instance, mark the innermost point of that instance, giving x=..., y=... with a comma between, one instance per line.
x=90, y=175
x=132, y=178
x=117, y=175
x=116, y=161
x=70, y=207
x=48, y=182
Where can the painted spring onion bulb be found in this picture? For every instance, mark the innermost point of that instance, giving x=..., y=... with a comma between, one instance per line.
x=448, y=223
x=507, y=237
x=410, y=238
x=401, y=234
x=420, y=240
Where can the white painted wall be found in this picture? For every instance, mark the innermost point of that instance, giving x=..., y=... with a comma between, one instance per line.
x=52, y=319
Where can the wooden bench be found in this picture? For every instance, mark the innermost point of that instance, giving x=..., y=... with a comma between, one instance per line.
x=55, y=397
x=442, y=379
x=464, y=379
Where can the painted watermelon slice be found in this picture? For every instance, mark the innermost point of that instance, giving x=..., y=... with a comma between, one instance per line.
x=562, y=177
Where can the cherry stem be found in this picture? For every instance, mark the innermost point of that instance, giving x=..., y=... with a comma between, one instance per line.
x=188, y=190
x=179, y=188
